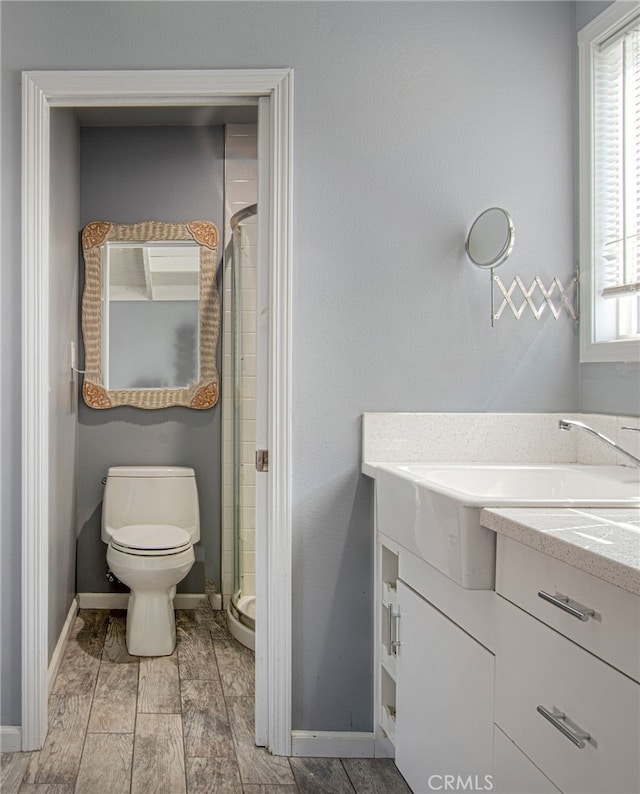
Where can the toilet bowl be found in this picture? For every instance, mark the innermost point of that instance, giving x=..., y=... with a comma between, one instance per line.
x=150, y=521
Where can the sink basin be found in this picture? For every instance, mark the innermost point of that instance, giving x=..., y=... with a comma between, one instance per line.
x=434, y=509
x=570, y=485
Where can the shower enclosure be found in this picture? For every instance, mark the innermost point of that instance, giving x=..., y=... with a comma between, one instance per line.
x=241, y=606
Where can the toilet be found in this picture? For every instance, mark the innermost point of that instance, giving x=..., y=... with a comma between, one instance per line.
x=150, y=521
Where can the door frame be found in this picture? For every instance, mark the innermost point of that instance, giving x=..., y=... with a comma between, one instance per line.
x=41, y=91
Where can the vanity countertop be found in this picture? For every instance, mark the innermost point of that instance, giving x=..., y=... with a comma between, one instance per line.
x=603, y=542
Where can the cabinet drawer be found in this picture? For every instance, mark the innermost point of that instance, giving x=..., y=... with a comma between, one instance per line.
x=472, y=610
x=612, y=633
x=513, y=772
x=536, y=666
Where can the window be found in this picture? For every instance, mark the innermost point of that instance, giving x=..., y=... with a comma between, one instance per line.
x=609, y=49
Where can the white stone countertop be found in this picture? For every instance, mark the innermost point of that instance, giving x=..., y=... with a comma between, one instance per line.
x=602, y=542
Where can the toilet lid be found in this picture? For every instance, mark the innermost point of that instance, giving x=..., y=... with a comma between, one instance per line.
x=151, y=537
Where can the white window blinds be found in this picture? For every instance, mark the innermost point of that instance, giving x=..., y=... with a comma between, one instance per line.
x=616, y=149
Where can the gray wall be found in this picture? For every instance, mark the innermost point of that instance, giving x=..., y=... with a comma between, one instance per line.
x=610, y=389
x=410, y=118
x=63, y=330
x=586, y=10
x=131, y=174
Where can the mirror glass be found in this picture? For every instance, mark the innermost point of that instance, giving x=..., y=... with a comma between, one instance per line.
x=490, y=239
x=150, y=315
x=150, y=338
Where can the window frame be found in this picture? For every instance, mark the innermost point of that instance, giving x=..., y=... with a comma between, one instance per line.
x=617, y=350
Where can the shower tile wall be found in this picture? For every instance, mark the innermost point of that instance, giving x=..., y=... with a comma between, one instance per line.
x=241, y=190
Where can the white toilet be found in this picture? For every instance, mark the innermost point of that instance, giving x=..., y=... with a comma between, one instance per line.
x=150, y=519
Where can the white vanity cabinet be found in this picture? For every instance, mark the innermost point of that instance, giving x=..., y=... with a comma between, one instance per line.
x=565, y=694
x=444, y=697
x=434, y=693
x=513, y=772
x=535, y=683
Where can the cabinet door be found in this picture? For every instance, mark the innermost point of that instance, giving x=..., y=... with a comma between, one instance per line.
x=444, y=698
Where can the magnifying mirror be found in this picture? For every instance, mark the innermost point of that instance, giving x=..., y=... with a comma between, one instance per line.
x=490, y=239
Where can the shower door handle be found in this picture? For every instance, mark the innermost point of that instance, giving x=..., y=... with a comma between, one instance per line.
x=262, y=460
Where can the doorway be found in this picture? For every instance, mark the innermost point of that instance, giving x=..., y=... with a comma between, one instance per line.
x=273, y=90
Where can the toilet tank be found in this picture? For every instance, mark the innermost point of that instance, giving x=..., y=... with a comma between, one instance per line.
x=150, y=495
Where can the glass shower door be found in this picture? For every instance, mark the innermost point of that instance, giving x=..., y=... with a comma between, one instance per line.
x=242, y=606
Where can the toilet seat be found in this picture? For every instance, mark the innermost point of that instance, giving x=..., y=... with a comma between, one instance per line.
x=151, y=540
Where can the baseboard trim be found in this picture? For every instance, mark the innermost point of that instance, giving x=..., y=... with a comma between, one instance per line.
x=189, y=600
x=215, y=599
x=384, y=747
x=103, y=600
x=63, y=639
x=332, y=744
x=120, y=600
x=10, y=738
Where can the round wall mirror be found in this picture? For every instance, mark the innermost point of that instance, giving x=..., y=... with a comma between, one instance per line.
x=490, y=239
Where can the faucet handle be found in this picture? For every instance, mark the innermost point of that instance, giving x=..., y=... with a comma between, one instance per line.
x=624, y=427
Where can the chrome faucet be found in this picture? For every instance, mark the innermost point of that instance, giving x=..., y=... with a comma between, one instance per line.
x=567, y=424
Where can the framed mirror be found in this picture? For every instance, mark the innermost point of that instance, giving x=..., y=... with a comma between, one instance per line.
x=150, y=314
x=490, y=239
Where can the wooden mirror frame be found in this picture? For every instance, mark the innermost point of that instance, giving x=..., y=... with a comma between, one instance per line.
x=204, y=393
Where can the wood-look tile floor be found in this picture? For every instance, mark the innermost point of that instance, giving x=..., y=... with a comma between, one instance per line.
x=179, y=724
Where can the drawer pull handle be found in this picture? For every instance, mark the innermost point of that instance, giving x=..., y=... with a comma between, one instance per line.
x=389, y=642
x=558, y=720
x=396, y=642
x=563, y=602
x=392, y=630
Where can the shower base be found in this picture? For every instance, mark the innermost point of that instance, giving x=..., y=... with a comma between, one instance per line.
x=241, y=620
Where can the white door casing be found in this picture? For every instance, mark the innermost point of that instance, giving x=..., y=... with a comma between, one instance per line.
x=160, y=88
